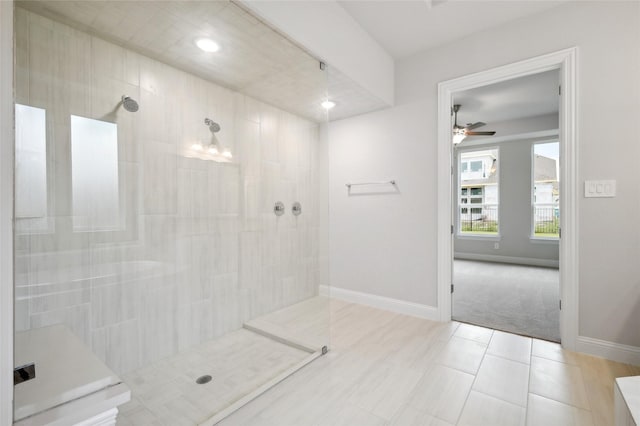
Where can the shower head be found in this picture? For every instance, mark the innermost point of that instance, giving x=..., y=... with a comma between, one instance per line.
x=129, y=104
x=213, y=126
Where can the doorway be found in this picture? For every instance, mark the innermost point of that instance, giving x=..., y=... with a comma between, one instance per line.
x=564, y=62
x=506, y=207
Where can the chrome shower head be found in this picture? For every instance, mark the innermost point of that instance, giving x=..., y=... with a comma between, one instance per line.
x=129, y=104
x=213, y=126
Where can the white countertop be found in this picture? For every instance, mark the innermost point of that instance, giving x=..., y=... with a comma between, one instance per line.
x=65, y=370
x=630, y=390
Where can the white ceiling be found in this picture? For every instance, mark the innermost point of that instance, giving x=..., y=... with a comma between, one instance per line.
x=253, y=59
x=257, y=60
x=404, y=28
x=522, y=97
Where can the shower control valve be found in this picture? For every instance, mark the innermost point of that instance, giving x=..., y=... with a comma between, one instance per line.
x=278, y=209
x=296, y=209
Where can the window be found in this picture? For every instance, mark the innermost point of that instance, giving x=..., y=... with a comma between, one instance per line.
x=545, y=193
x=478, y=197
x=94, y=174
x=31, y=198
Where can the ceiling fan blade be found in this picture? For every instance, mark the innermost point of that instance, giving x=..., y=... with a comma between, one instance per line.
x=480, y=133
x=472, y=126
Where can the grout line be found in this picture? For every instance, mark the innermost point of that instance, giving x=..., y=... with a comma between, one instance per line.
x=409, y=395
x=552, y=399
x=508, y=359
x=564, y=403
x=526, y=409
x=475, y=376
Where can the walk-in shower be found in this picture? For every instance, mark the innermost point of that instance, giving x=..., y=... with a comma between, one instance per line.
x=147, y=244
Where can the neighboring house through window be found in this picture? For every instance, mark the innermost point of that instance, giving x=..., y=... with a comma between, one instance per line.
x=478, y=197
x=546, y=191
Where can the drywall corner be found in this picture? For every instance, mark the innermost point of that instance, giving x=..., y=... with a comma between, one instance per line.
x=347, y=47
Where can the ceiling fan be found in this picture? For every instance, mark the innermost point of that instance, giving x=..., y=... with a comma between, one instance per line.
x=461, y=132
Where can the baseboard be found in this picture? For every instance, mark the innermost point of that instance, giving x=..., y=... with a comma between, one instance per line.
x=609, y=350
x=548, y=263
x=602, y=348
x=381, y=302
x=323, y=290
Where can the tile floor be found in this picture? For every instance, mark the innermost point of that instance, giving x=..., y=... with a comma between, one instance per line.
x=165, y=393
x=390, y=369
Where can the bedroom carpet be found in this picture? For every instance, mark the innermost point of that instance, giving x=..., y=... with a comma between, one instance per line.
x=514, y=298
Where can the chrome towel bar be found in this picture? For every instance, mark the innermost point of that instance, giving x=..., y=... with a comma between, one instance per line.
x=391, y=182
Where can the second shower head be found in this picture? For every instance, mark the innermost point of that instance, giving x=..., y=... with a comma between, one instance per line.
x=130, y=104
x=213, y=126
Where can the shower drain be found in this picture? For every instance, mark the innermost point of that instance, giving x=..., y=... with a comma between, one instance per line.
x=203, y=379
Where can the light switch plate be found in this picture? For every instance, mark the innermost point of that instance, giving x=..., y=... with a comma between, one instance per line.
x=599, y=188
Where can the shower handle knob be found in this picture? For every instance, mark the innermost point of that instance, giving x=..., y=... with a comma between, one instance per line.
x=278, y=209
x=296, y=209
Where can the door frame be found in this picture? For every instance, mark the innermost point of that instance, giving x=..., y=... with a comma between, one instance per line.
x=566, y=62
x=6, y=211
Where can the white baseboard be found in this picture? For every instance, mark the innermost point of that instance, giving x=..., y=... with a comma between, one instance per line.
x=381, y=302
x=549, y=263
x=609, y=350
x=323, y=290
x=602, y=348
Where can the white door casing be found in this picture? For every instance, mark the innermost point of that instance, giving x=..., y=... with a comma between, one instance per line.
x=565, y=61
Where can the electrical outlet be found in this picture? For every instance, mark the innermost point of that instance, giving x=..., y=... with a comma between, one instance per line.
x=496, y=246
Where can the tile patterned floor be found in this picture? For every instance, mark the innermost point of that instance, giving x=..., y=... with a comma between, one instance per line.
x=384, y=369
x=165, y=393
x=391, y=369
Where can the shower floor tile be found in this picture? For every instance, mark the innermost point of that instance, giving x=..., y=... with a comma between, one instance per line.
x=306, y=322
x=166, y=392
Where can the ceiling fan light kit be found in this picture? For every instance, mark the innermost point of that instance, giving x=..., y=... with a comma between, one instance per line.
x=461, y=132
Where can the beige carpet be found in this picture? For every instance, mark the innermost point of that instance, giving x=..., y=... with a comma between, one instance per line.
x=515, y=298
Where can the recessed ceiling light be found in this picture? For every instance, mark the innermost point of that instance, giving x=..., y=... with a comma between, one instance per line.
x=207, y=45
x=328, y=104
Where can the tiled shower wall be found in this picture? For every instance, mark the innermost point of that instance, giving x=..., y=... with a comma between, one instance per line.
x=198, y=249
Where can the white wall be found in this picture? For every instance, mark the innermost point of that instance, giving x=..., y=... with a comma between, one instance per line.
x=329, y=32
x=379, y=243
x=388, y=142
